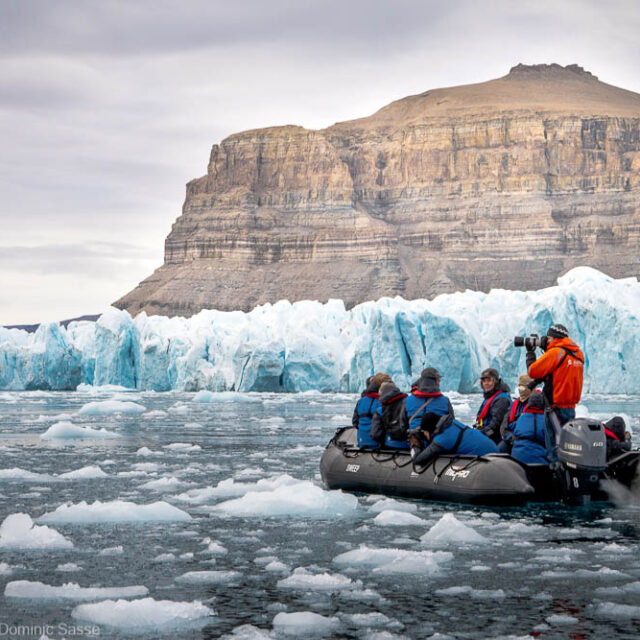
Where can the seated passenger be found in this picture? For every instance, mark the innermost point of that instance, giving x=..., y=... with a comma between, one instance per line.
x=365, y=408
x=517, y=406
x=447, y=435
x=495, y=406
x=427, y=397
x=528, y=433
x=389, y=425
x=618, y=439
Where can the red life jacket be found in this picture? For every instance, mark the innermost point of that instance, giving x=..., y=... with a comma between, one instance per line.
x=514, y=410
x=487, y=405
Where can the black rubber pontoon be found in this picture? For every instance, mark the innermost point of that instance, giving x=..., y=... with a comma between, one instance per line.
x=495, y=479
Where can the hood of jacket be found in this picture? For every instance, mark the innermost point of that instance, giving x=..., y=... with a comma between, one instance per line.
x=391, y=393
x=568, y=344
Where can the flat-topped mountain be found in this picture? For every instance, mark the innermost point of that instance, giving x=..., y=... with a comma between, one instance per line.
x=506, y=183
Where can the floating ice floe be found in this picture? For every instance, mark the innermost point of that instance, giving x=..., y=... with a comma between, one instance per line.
x=304, y=499
x=208, y=577
x=68, y=567
x=229, y=488
x=15, y=474
x=69, y=591
x=391, y=518
x=304, y=624
x=615, y=611
x=449, y=530
x=106, y=407
x=112, y=551
x=85, y=473
x=183, y=447
x=395, y=505
x=144, y=614
x=478, y=594
x=394, y=561
x=115, y=511
x=214, y=547
x=18, y=531
x=303, y=580
x=247, y=632
x=163, y=484
x=68, y=430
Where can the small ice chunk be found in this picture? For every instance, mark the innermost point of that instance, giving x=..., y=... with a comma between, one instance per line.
x=275, y=566
x=208, y=577
x=146, y=614
x=21, y=475
x=5, y=569
x=449, y=530
x=391, y=518
x=163, y=484
x=69, y=591
x=247, y=632
x=115, y=511
x=371, y=619
x=106, y=407
x=112, y=551
x=305, y=581
x=18, y=531
x=144, y=451
x=394, y=561
x=561, y=619
x=214, y=548
x=68, y=567
x=67, y=430
x=615, y=611
x=85, y=473
x=304, y=624
x=184, y=447
x=395, y=505
x=165, y=557
x=303, y=500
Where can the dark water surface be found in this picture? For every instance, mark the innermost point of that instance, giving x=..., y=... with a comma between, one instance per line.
x=546, y=571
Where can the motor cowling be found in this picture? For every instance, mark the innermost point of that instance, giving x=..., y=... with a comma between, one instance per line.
x=582, y=452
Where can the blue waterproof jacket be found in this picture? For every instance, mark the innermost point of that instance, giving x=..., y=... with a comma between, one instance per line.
x=528, y=437
x=454, y=437
x=365, y=408
x=417, y=404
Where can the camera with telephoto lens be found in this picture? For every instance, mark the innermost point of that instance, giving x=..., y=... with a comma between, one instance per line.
x=531, y=342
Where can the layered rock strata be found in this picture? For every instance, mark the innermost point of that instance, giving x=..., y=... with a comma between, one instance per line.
x=507, y=183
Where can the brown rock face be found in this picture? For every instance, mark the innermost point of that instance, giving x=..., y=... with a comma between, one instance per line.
x=508, y=183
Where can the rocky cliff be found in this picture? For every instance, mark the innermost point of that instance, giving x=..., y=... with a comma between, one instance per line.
x=507, y=183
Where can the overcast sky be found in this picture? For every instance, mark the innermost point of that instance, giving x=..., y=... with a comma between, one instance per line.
x=108, y=107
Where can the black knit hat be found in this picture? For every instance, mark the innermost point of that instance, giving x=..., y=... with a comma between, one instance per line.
x=431, y=372
x=558, y=331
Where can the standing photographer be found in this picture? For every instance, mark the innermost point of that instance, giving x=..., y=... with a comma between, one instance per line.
x=561, y=368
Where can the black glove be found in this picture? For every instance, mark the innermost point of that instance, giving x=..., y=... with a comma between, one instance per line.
x=531, y=358
x=533, y=384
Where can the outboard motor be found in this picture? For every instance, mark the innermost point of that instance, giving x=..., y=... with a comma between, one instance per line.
x=582, y=453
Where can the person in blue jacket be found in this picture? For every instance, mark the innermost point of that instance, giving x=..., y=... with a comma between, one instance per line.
x=495, y=405
x=389, y=425
x=528, y=433
x=426, y=396
x=365, y=408
x=525, y=389
x=447, y=435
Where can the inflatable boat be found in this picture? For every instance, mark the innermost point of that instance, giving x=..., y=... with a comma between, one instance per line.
x=493, y=479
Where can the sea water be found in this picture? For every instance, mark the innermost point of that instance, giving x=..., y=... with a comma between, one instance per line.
x=203, y=516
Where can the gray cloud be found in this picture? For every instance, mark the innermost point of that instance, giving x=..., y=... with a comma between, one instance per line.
x=107, y=108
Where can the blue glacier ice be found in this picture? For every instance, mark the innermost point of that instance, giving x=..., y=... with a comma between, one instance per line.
x=312, y=346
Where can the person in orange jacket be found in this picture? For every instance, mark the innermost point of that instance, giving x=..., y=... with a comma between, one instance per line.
x=561, y=368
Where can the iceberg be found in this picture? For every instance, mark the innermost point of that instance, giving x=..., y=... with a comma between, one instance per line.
x=309, y=346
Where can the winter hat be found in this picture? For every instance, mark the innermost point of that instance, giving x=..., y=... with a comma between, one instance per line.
x=524, y=380
x=379, y=378
x=558, y=331
x=490, y=373
x=431, y=372
x=386, y=386
x=536, y=400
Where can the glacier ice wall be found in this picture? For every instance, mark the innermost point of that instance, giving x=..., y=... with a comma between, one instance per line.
x=308, y=345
